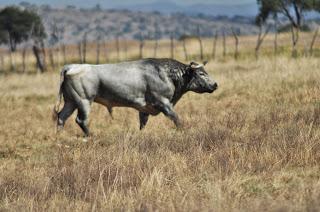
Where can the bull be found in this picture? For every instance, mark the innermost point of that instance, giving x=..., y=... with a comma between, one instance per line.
x=151, y=86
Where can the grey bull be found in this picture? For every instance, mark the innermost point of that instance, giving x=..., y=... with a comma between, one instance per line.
x=150, y=86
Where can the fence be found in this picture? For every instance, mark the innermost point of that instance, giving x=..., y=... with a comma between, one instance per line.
x=220, y=47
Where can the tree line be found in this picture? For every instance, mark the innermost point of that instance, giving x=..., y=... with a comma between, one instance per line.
x=19, y=25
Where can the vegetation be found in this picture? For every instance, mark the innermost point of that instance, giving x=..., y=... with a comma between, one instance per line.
x=252, y=145
x=292, y=9
x=17, y=25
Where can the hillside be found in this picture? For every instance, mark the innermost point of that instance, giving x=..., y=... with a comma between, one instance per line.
x=74, y=23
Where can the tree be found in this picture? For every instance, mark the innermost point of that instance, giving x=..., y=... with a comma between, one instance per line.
x=263, y=31
x=292, y=9
x=18, y=25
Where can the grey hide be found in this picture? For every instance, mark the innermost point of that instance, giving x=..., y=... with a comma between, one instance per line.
x=150, y=86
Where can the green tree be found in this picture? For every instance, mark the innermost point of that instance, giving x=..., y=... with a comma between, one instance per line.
x=292, y=9
x=19, y=25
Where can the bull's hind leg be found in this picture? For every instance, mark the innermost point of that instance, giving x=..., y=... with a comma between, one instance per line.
x=65, y=113
x=83, y=116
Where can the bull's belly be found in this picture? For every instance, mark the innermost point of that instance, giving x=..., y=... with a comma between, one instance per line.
x=138, y=104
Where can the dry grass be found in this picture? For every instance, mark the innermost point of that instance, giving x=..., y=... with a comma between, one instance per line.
x=253, y=145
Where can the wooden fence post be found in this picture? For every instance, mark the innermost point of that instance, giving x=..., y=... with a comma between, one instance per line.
x=214, y=47
x=171, y=46
x=236, y=38
x=224, y=53
x=118, y=48
x=295, y=38
x=106, y=51
x=84, y=48
x=24, y=52
x=80, y=52
x=1, y=62
x=275, y=43
x=200, y=43
x=51, y=58
x=260, y=39
x=98, y=51
x=39, y=58
x=125, y=49
x=64, y=54
x=156, y=44
x=12, y=61
x=315, y=35
x=141, y=44
x=184, y=40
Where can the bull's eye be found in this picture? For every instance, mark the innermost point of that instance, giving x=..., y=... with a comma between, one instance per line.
x=201, y=74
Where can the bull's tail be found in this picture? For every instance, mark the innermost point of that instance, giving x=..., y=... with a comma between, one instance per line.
x=60, y=94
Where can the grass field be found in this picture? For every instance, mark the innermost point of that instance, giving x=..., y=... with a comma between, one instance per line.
x=252, y=145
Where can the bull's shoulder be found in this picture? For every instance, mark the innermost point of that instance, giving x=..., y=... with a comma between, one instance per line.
x=76, y=69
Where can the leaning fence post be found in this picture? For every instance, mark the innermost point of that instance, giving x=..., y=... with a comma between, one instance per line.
x=200, y=42
x=64, y=53
x=214, y=47
x=51, y=58
x=106, y=50
x=236, y=38
x=125, y=48
x=260, y=39
x=98, y=51
x=172, y=46
x=185, y=48
x=80, y=52
x=118, y=48
x=1, y=62
x=224, y=53
x=84, y=48
x=313, y=41
x=141, y=44
x=275, y=37
x=156, y=44
x=24, y=52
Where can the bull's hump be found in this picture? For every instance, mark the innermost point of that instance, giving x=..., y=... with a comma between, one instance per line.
x=77, y=69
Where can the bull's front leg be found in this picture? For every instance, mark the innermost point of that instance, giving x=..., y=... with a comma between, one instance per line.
x=167, y=109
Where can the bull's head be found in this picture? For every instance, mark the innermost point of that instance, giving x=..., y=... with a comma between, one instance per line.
x=200, y=80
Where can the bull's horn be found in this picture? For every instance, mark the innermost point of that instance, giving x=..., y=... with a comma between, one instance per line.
x=195, y=65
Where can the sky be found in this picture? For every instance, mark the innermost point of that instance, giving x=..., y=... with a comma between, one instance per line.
x=104, y=3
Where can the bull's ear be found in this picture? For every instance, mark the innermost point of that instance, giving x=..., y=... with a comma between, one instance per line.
x=205, y=63
x=194, y=65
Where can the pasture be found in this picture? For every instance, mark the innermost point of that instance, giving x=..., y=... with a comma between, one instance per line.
x=252, y=145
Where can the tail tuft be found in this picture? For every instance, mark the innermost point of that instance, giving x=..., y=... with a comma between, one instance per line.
x=59, y=100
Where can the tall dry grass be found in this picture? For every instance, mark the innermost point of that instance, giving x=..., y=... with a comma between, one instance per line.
x=252, y=145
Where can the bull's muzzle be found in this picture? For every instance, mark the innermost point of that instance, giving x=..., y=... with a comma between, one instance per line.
x=213, y=87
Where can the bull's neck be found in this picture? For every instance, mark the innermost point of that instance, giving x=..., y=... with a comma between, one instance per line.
x=181, y=80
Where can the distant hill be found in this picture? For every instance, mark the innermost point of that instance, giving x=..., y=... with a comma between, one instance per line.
x=166, y=7
x=73, y=23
